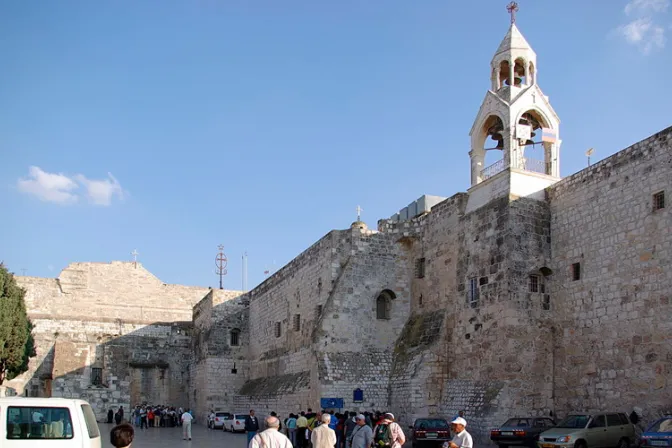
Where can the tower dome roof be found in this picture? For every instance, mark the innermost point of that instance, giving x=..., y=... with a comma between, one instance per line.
x=514, y=40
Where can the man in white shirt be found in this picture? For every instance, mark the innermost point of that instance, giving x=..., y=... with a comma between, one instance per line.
x=462, y=438
x=323, y=436
x=271, y=438
x=186, y=425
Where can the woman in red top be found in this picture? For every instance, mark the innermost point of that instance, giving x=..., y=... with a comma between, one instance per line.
x=150, y=417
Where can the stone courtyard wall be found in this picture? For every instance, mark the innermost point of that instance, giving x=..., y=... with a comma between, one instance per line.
x=114, y=316
x=614, y=346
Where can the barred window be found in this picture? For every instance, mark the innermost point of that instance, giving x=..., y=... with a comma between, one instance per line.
x=318, y=311
x=234, y=338
x=534, y=283
x=420, y=268
x=96, y=376
x=297, y=322
x=659, y=201
x=278, y=329
x=472, y=293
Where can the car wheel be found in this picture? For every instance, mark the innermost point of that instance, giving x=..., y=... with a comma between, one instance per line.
x=502, y=446
x=580, y=444
x=624, y=443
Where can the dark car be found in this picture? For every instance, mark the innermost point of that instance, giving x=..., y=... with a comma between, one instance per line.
x=430, y=432
x=523, y=431
x=658, y=434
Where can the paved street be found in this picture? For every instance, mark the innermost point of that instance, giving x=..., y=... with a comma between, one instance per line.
x=172, y=438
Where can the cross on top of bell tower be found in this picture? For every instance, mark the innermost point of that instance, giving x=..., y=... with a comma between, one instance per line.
x=513, y=9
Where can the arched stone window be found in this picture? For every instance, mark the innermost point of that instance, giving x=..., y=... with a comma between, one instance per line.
x=384, y=305
x=234, y=337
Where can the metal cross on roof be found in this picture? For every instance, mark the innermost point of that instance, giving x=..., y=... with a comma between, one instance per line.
x=513, y=9
x=135, y=254
x=359, y=213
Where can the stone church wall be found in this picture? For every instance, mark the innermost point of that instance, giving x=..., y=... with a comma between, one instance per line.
x=614, y=346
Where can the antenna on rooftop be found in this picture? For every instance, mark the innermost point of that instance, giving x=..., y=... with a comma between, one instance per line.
x=245, y=272
x=221, y=262
x=589, y=153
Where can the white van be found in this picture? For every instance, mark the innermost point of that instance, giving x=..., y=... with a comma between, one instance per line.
x=30, y=422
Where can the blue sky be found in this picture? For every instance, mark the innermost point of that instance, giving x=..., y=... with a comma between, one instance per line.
x=174, y=126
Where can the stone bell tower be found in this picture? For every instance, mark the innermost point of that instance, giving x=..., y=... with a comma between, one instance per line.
x=517, y=122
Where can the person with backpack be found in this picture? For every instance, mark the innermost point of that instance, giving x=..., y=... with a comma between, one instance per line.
x=388, y=433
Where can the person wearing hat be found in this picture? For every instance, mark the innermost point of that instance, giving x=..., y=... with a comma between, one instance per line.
x=388, y=434
x=362, y=434
x=462, y=438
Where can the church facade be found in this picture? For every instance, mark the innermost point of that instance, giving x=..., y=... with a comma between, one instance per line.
x=526, y=295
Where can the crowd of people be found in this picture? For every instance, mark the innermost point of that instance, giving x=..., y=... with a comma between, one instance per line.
x=144, y=417
x=304, y=430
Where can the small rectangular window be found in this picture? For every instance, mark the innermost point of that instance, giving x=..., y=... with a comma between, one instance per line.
x=576, y=271
x=235, y=338
x=472, y=293
x=34, y=422
x=659, y=201
x=278, y=329
x=297, y=322
x=420, y=268
x=96, y=376
x=318, y=311
x=534, y=283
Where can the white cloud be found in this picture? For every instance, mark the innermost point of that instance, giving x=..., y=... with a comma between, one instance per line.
x=101, y=192
x=62, y=189
x=48, y=187
x=643, y=31
x=647, y=6
x=645, y=34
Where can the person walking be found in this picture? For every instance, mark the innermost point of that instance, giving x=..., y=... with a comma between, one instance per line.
x=291, y=428
x=121, y=436
x=252, y=426
x=388, y=433
x=323, y=436
x=301, y=428
x=350, y=425
x=110, y=416
x=361, y=435
x=119, y=416
x=271, y=437
x=187, y=418
x=462, y=438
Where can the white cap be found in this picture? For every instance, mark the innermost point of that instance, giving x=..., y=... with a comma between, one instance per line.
x=459, y=421
x=360, y=417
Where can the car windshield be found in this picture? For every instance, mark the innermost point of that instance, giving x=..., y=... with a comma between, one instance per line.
x=574, y=421
x=431, y=423
x=240, y=416
x=663, y=425
x=517, y=423
x=221, y=414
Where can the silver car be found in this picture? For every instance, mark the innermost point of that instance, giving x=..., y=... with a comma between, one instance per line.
x=601, y=430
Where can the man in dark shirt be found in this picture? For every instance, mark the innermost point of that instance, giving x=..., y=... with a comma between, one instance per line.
x=251, y=426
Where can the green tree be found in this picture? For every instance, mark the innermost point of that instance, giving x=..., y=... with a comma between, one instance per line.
x=16, y=340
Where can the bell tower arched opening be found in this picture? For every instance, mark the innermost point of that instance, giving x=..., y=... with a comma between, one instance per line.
x=536, y=140
x=520, y=73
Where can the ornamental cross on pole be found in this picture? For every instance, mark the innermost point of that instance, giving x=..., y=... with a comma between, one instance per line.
x=359, y=213
x=135, y=257
x=513, y=9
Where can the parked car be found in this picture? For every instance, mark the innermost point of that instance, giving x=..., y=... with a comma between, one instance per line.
x=235, y=424
x=430, y=432
x=601, y=430
x=658, y=434
x=217, y=422
x=53, y=422
x=521, y=431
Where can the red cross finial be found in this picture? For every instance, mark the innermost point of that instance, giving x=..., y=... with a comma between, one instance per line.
x=513, y=9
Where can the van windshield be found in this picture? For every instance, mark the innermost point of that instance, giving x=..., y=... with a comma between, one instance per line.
x=574, y=421
x=34, y=422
